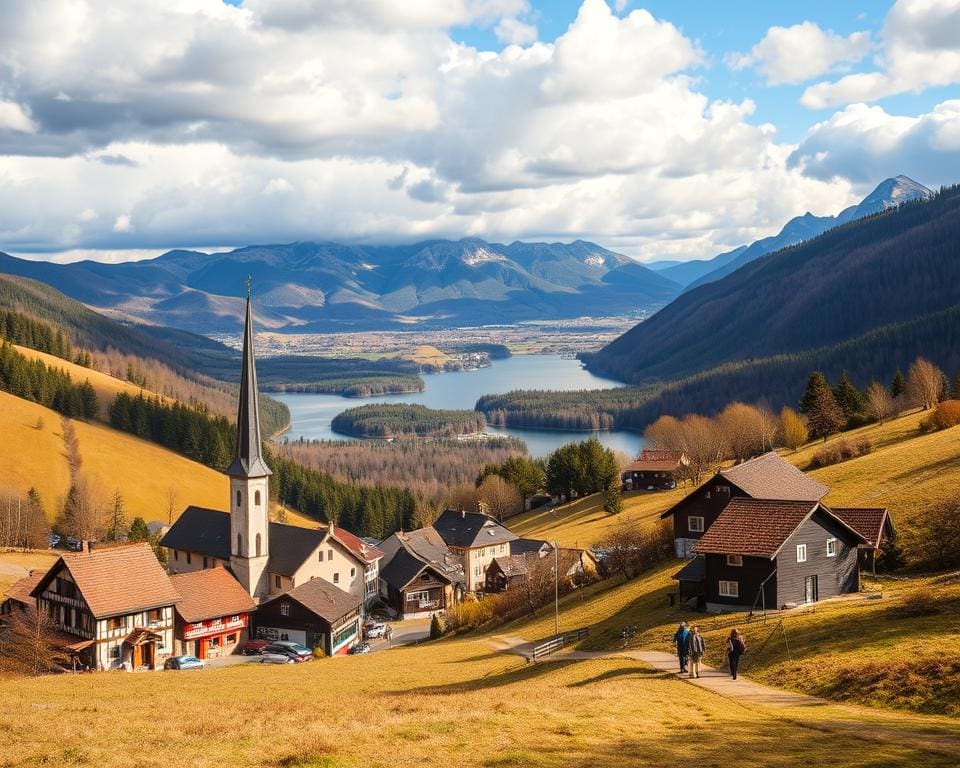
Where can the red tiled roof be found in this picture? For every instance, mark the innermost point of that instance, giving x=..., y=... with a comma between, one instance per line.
x=20, y=590
x=210, y=594
x=356, y=545
x=772, y=477
x=754, y=527
x=868, y=522
x=118, y=580
x=654, y=460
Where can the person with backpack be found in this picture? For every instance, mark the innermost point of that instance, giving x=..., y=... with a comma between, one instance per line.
x=736, y=647
x=696, y=647
x=680, y=639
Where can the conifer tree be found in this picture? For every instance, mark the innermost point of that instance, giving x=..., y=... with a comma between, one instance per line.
x=37, y=529
x=849, y=398
x=138, y=530
x=899, y=384
x=815, y=385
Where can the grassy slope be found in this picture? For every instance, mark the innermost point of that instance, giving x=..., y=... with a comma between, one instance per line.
x=13, y=563
x=142, y=471
x=453, y=704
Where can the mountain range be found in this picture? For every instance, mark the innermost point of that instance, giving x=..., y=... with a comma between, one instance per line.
x=325, y=286
x=888, y=194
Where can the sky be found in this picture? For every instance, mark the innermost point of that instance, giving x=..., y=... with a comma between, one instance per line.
x=659, y=129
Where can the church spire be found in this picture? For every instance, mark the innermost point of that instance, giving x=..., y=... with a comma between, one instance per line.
x=248, y=461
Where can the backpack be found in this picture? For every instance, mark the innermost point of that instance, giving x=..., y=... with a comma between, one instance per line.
x=739, y=645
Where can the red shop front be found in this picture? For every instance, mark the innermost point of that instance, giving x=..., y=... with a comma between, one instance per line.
x=215, y=637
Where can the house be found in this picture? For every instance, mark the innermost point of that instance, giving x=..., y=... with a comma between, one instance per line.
x=113, y=607
x=874, y=524
x=316, y=614
x=509, y=571
x=774, y=553
x=765, y=477
x=655, y=470
x=18, y=597
x=420, y=575
x=267, y=558
x=213, y=614
x=477, y=539
x=540, y=547
x=200, y=539
x=577, y=561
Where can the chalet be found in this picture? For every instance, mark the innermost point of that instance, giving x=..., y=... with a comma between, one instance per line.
x=765, y=477
x=213, y=614
x=874, y=524
x=316, y=614
x=477, y=539
x=509, y=571
x=113, y=608
x=420, y=575
x=655, y=470
x=268, y=559
x=773, y=553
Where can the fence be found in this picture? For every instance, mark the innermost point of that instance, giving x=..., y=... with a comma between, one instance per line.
x=554, y=644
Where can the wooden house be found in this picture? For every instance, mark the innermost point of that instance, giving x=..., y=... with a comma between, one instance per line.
x=655, y=470
x=774, y=553
x=316, y=614
x=765, y=477
x=874, y=524
x=509, y=571
x=213, y=614
x=113, y=607
x=477, y=539
x=420, y=576
x=18, y=597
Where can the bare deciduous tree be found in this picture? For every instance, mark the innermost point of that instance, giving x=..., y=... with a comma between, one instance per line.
x=500, y=498
x=28, y=647
x=880, y=403
x=793, y=429
x=743, y=430
x=924, y=384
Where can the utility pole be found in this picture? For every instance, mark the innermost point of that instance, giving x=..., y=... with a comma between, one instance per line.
x=556, y=589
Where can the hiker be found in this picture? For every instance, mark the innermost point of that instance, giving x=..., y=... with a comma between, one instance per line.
x=695, y=650
x=736, y=647
x=680, y=638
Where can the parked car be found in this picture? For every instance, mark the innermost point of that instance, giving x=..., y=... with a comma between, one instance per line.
x=277, y=658
x=73, y=544
x=359, y=648
x=294, y=650
x=183, y=662
x=373, y=631
x=53, y=540
x=253, y=647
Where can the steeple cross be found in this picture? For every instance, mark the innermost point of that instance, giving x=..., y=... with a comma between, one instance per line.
x=248, y=286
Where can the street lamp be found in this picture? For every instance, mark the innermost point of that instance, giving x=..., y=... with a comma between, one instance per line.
x=556, y=589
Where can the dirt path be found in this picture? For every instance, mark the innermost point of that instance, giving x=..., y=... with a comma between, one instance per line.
x=940, y=735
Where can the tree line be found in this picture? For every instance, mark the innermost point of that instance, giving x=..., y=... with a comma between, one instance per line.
x=388, y=420
x=50, y=387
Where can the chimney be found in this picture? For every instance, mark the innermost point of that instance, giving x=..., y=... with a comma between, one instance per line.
x=331, y=528
x=86, y=546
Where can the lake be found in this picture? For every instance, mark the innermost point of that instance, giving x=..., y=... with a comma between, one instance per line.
x=311, y=413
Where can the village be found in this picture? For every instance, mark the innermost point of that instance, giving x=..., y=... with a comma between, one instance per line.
x=756, y=536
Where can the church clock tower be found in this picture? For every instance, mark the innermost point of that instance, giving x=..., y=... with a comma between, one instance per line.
x=249, y=475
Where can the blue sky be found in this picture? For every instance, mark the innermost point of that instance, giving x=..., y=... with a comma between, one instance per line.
x=660, y=129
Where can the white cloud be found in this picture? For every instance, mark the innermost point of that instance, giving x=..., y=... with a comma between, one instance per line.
x=515, y=32
x=277, y=185
x=13, y=118
x=801, y=52
x=122, y=223
x=865, y=144
x=919, y=48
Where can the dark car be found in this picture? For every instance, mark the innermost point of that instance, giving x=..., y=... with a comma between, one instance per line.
x=359, y=648
x=253, y=647
x=183, y=662
x=73, y=544
x=295, y=651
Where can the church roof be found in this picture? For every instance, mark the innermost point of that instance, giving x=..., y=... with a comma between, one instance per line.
x=248, y=461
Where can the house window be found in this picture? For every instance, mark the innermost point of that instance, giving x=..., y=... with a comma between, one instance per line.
x=320, y=555
x=276, y=581
x=336, y=578
x=204, y=561
x=425, y=577
x=238, y=497
x=256, y=498
x=831, y=547
x=239, y=545
x=176, y=555
x=330, y=555
x=115, y=652
x=801, y=553
x=189, y=558
x=156, y=615
x=230, y=640
x=736, y=560
x=502, y=548
x=284, y=609
x=695, y=524
x=117, y=622
x=353, y=572
x=729, y=589
x=418, y=597
x=258, y=544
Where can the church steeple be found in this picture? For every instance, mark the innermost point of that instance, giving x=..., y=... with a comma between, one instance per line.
x=248, y=461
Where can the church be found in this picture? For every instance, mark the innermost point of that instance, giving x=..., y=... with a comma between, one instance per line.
x=271, y=559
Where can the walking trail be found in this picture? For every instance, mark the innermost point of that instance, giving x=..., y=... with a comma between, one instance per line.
x=939, y=735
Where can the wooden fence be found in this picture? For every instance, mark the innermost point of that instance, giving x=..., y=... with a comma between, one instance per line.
x=554, y=644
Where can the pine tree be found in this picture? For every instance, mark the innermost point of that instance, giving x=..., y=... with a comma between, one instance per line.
x=899, y=384
x=138, y=530
x=37, y=529
x=816, y=384
x=849, y=398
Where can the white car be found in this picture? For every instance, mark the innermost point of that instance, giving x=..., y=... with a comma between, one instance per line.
x=373, y=631
x=276, y=658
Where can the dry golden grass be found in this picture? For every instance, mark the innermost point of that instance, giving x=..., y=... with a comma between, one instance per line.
x=142, y=471
x=454, y=703
x=427, y=355
x=107, y=387
x=15, y=564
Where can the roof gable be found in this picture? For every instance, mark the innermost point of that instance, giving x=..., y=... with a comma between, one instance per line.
x=321, y=598
x=467, y=530
x=869, y=522
x=770, y=476
x=210, y=594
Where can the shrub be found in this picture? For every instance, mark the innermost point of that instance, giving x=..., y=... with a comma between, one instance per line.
x=841, y=450
x=437, y=627
x=946, y=415
x=319, y=653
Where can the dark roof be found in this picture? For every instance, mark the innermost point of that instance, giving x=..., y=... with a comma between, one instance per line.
x=322, y=598
x=695, y=570
x=772, y=477
x=207, y=532
x=405, y=567
x=117, y=580
x=20, y=590
x=404, y=550
x=248, y=460
x=210, y=594
x=868, y=522
x=512, y=565
x=654, y=460
x=759, y=527
x=471, y=529
x=522, y=546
